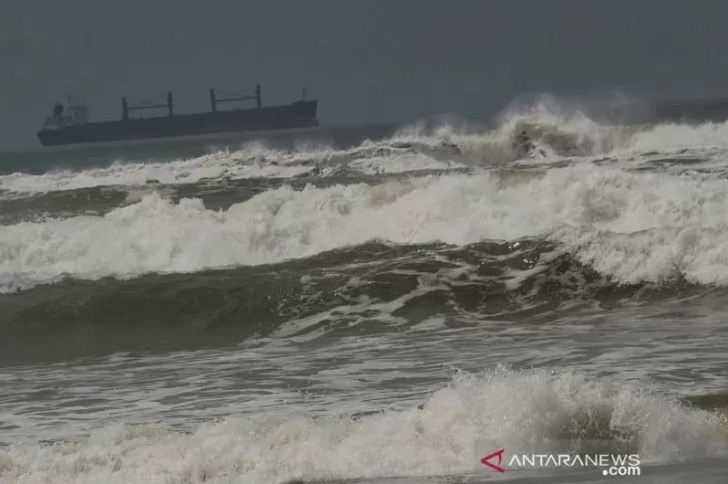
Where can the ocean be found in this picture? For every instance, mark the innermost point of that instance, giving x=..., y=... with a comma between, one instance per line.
x=370, y=304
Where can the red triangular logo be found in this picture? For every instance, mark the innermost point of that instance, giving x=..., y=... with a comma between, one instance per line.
x=496, y=467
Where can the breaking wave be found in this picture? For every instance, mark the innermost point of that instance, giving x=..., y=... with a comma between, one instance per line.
x=557, y=131
x=253, y=160
x=631, y=227
x=532, y=411
x=551, y=132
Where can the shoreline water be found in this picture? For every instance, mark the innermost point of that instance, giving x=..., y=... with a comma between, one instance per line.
x=369, y=305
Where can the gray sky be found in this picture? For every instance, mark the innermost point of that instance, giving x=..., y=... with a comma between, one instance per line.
x=366, y=61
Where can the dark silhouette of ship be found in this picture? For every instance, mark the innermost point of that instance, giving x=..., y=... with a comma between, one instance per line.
x=73, y=127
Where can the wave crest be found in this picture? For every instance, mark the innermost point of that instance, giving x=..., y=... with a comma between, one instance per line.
x=533, y=411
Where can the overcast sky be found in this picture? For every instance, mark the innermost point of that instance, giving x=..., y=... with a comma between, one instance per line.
x=366, y=61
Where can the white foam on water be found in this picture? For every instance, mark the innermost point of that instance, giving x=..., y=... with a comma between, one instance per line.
x=632, y=226
x=676, y=136
x=534, y=411
x=253, y=160
x=555, y=131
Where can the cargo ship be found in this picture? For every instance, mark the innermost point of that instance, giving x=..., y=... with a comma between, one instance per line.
x=70, y=125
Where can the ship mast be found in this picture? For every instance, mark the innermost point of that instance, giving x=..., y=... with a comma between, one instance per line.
x=257, y=97
x=125, y=108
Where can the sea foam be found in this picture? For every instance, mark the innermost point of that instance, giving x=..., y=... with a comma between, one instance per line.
x=630, y=226
x=534, y=411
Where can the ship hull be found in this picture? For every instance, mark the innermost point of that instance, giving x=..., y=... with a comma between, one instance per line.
x=300, y=114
